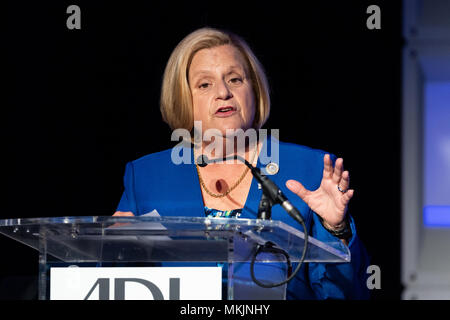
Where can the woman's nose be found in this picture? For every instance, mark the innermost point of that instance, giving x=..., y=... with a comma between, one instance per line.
x=223, y=91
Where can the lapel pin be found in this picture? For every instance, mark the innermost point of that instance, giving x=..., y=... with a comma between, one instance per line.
x=272, y=168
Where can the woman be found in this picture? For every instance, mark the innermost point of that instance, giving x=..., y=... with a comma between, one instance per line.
x=213, y=77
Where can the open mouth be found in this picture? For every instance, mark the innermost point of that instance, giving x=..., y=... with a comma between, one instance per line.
x=225, y=111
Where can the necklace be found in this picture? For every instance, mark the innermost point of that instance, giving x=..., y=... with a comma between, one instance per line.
x=221, y=195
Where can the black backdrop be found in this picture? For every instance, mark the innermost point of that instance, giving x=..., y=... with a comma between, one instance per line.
x=81, y=103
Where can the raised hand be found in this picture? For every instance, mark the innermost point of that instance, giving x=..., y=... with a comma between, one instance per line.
x=331, y=199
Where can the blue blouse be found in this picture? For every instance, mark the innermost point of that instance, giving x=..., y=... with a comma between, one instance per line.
x=215, y=213
x=155, y=182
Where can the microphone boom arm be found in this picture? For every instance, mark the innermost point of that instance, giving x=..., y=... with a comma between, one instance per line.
x=271, y=195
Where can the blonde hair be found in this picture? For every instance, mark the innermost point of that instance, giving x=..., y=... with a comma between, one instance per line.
x=176, y=98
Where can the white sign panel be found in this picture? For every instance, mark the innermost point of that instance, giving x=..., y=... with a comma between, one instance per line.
x=153, y=283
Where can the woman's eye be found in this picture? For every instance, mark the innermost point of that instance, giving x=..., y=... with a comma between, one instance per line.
x=204, y=85
x=236, y=80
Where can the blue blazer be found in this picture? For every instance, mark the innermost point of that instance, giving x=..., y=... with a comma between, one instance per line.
x=154, y=181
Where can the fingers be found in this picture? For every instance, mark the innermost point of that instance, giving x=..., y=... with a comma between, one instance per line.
x=297, y=188
x=337, y=174
x=338, y=169
x=327, y=166
x=344, y=183
x=348, y=195
x=123, y=214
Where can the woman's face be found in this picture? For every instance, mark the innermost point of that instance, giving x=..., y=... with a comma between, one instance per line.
x=221, y=90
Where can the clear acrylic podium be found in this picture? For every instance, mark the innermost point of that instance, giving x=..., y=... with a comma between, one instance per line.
x=100, y=241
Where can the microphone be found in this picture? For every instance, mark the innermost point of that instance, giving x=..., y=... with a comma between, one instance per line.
x=202, y=161
x=275, y=196
x=269, y=187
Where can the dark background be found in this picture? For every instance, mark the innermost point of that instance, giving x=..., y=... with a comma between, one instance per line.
x=81, y=103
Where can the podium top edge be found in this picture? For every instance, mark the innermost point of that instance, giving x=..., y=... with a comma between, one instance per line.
x=134, y=219
x=33, y=226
